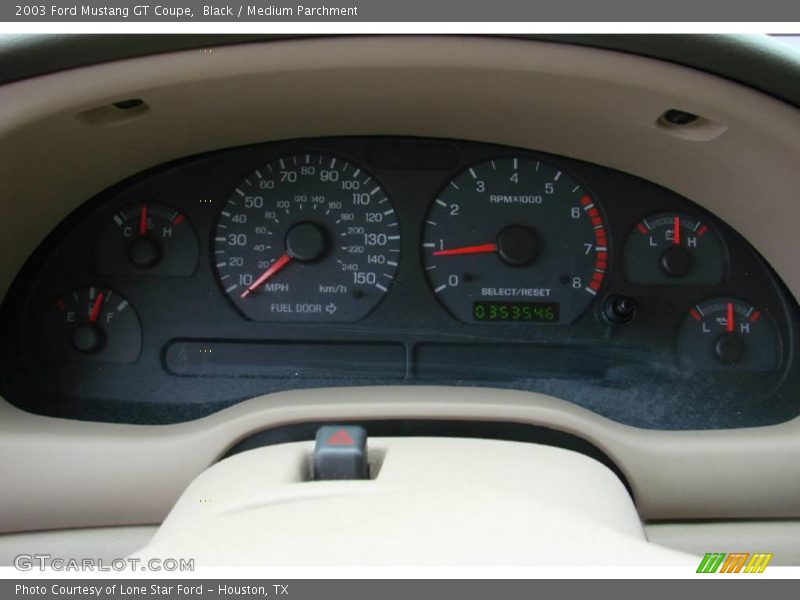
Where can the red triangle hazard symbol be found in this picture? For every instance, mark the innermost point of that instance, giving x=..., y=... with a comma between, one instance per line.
x=341, y=438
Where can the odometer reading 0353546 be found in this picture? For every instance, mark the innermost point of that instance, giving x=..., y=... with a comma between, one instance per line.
x=515, y=241
x=307, y=238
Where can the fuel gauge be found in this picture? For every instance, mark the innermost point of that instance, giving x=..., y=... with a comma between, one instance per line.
x=727, y=334
x=673, y=248
x=91, y=324
x=151, y=239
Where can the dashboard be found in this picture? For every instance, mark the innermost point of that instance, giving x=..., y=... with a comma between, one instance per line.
x=391, y=260
x=100, y=129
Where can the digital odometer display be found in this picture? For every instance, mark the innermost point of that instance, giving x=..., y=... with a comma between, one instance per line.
x=516, y=312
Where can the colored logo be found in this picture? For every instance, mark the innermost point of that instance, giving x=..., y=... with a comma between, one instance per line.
x=735, y=562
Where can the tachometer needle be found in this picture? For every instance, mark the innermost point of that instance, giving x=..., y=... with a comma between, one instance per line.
x=143, y=221
x=676, y=234
x=729, y=319
x=480, y=249
x=95, y=312
x=268, y=274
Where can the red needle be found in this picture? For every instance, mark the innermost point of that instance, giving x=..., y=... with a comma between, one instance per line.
x=481, y=249
x=729, y=320
x=143, y=221
x=676, y=234
x=273, y=269
x=95, y=312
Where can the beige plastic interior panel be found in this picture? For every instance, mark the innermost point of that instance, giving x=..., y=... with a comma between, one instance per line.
x=61, y=473
x=106, y=543
x=588, y=104
x=433, y=502
x=780, y=537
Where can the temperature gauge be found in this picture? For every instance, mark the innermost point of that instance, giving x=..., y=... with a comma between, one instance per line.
x=669, y=248
x=727, y=334
x=148, y=238
x=91, y=324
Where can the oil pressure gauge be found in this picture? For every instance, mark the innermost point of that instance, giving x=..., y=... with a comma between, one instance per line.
x=147, y=239
x=727, y=334
x=674, y=248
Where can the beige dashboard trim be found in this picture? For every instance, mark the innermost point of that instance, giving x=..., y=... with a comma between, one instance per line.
x=588, y=104
x=61, y=473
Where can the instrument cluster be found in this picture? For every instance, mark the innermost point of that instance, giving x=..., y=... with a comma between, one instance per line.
x=352, y=261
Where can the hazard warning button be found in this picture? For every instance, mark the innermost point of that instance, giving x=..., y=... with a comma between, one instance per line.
x=340, y=452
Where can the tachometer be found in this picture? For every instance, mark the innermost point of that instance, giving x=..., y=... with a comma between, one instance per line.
x=307, y=238
x=516, y=241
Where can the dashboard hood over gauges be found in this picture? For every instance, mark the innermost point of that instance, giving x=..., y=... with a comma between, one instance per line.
x=755, y=61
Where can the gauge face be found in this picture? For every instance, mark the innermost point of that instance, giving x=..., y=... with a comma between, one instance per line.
x=91, y=324
x=673, y=248
x=727, y=334
x=515, y=241
x=307, y=238
x=147, y=239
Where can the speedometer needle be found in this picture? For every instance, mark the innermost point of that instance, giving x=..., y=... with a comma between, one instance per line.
x=480, y=249
x=268, y=274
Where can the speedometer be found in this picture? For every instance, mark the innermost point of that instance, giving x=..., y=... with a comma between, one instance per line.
x=307, y=238
x=515, y=241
